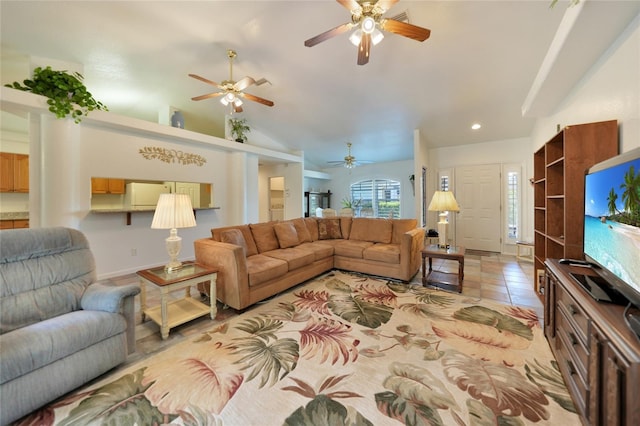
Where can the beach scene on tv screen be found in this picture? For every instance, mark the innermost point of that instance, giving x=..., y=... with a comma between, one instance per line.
x=612, y=220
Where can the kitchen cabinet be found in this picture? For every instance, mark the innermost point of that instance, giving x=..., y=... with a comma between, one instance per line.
x=14, y=224
x=14, y=175
x=107, y=186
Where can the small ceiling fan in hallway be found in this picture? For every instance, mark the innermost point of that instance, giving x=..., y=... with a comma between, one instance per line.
x=231, y=90
x=349, y=160
x=366, y=17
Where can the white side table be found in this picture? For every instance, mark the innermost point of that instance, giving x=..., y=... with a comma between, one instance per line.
x=172, y=313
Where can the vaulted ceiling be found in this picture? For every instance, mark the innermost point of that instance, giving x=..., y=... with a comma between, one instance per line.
x=479, y=65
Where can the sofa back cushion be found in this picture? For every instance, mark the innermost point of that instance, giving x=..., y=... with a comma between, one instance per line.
x=312, y=227
x=264, y=236
x=246, y=233
x=286, y=234
x=301, y=228
x=376, y=230
x=43, y=274
x=329, y=228
x=401, y=226
x=345, y=226
x=234, y=236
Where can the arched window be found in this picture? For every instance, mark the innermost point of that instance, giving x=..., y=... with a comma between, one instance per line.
x=376, y=198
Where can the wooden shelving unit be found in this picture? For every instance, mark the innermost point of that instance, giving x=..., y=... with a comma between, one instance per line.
x=558, y=177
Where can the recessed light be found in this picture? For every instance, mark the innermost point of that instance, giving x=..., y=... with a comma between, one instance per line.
x=475, y=126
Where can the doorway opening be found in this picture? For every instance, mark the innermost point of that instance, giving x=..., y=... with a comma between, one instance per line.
x=276, y=198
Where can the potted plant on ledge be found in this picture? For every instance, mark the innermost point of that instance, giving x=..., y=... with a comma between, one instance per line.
x=239, y=129
x=66, y=92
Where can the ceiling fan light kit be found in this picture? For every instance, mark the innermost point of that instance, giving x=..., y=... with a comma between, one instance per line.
x=366, y=17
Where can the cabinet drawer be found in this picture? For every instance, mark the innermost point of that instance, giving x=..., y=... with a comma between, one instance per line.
x=575, y=347
x=573, y=379
x=574, y=313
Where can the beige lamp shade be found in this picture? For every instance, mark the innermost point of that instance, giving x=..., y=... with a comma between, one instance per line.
x=173, y=211
x=443, y=201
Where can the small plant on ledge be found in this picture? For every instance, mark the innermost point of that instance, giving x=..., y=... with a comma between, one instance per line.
x=239, y=129
x=66, y=92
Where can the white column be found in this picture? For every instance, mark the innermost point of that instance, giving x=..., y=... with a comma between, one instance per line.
x=59, y=164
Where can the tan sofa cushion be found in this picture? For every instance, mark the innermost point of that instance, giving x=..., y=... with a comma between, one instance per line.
x=295, y=257
x=345, y=226
x=301, y=228
x=312, y=227
x=401, y=226
x=351, y=248
x=263, y=268
x=264, y=236
x=246, y=233
x=387, y=253
x=329, y=229
x=234, y=236
x=320, y=250
x=287, y=234
x=377, y=230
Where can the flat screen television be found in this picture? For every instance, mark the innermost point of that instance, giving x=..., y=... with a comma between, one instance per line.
x=612, y=222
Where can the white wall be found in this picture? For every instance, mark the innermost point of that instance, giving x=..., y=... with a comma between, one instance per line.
x=64, y=157
x=610, y=90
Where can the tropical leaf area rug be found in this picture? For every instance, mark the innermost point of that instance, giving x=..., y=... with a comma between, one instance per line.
x=343, y=349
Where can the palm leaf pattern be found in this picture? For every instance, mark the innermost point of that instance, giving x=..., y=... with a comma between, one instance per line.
x=331, y=339
x=429, y=358
x=270, y=361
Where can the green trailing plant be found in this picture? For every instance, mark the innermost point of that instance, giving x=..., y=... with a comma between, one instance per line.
x=239, y=129
x=66, y=92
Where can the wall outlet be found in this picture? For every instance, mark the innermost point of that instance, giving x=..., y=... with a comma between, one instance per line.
x=134, y=252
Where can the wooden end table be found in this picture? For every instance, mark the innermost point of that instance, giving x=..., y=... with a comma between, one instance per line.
x=172, y=313
x=443, y=279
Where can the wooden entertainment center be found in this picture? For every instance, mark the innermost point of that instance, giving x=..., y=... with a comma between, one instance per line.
x=597, y=353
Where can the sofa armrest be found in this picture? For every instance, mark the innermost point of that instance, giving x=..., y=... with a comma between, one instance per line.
x=411, y=244
x=116, y=299
x=232, y=282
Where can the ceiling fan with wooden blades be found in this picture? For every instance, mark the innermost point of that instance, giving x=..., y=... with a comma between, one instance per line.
x=366, y=18
x=349, y=160
x=231, y=90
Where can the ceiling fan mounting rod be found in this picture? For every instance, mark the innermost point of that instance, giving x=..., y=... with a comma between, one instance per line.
x=231, y=54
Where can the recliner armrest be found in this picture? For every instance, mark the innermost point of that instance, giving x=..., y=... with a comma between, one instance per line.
x=109, y=298
x=116, y=299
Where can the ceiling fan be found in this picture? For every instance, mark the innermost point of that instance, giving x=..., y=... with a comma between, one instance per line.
x=349, y=161
x=232, y=91
x=366, y=16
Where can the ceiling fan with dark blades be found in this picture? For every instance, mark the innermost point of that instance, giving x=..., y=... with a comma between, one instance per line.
x=349, y=160
x=366, y=18
x=232, y=91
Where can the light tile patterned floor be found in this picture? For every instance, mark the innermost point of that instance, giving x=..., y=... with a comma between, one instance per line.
x=497, y=277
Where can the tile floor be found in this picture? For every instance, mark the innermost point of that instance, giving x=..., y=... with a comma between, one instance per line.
x=496, y=277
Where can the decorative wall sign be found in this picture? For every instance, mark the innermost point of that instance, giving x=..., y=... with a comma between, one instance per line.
x=171, y=156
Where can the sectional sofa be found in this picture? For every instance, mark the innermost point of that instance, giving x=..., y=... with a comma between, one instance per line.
x=257, y=261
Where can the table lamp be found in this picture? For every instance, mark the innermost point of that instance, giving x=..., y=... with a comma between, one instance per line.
x=172, y=212
x=443, y=202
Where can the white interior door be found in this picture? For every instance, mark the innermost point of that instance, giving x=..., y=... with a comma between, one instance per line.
x=478, y=192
